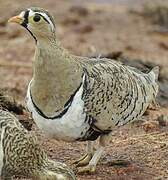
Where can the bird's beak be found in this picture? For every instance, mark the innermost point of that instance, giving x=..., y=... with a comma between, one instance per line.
x=16, y=19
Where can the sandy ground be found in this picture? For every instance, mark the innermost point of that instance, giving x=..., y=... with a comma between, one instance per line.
x=92, y=28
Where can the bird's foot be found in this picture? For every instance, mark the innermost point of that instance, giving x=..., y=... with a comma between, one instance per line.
x=89, y=169
x=84, y=160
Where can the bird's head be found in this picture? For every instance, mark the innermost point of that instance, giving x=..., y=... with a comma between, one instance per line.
x=54, y=170
x=51, y=176
x=37, y=21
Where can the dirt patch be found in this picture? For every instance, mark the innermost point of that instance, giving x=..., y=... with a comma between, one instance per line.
x=7, y=102
x=157, y=13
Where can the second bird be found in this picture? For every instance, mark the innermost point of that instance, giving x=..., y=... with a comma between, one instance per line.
x=76, y=98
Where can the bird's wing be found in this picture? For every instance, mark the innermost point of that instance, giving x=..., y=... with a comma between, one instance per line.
x=112, y=92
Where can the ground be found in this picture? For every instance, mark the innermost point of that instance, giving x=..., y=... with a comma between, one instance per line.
x=93, y=28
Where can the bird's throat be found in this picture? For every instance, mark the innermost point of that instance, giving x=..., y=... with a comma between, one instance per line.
x=56, y=77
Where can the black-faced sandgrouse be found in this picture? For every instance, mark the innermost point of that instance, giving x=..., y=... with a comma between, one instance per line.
x=75, y=98
x=21, y=155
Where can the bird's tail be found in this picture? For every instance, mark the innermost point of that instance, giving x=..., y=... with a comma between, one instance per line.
x=154, y=73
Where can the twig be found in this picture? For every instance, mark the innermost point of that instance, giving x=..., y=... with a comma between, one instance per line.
x=14, y=64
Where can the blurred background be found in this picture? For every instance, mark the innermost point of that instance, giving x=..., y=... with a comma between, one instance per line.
x=136, y=31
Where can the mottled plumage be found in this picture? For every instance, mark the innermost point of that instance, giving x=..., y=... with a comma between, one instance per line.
x=115, y=94
x=78, y=98
x=21, y=155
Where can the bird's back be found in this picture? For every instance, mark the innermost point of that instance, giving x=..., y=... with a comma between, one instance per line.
x=115, y=94
x=21, y=154
x=17, y=146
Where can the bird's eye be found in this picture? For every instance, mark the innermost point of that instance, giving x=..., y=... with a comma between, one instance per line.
x=37, y=18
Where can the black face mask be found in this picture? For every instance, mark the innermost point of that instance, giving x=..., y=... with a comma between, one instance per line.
x=25, y=23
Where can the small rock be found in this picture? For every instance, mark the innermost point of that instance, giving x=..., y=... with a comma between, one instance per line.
x=3, y=21
x=163, y=45
x=3, y=31
x=129, y=48
x=147, y=112
x=163, y=120
x=9, y=103
x=70, y=20
x=118, y=162
x=157, y=13
x=80, y=10
x=26, y=122
x=84, y=28
x=150, y=126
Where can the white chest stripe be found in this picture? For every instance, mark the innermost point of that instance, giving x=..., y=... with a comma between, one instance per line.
x=69, y=126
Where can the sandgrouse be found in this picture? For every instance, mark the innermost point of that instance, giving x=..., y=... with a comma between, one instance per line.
x=21, y=155
x=75, y=98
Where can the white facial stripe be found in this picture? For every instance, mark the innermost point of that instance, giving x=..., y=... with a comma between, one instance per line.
x=48, y=19
x=22, y=14
x=32, y=13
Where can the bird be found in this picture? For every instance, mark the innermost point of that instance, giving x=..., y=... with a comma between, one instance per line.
x=74, y=98
x=22, y=156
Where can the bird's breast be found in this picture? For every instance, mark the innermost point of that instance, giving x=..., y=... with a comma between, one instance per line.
x=69, y=125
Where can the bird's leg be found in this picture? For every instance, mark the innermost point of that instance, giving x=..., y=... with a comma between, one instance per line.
x=84, y=160
x=91, y=167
